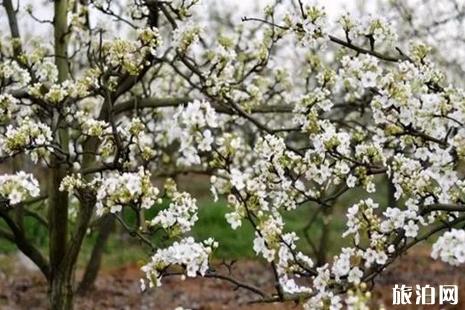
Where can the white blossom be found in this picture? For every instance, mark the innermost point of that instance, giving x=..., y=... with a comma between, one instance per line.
x=191, y=255
x=16, y=188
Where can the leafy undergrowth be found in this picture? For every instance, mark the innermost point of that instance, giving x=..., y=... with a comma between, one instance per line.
x=118, y=288
x=233, y=244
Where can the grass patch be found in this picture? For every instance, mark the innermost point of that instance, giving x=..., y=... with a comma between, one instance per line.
x=233, y=244
x=212, y=223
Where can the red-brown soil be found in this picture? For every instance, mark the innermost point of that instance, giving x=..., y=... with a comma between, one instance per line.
x=119, y=288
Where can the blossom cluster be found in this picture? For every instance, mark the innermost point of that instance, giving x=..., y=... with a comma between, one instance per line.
x=449, y=247
x=185, y=36
x=181, y=213
x=129, y=188
x=131, y=55
x=192, y=127
x=16, y=188
x=92, y=127
x=57, y=93
x=12, y=72
x=187, y=253
x=310, y=31
x=30, y=136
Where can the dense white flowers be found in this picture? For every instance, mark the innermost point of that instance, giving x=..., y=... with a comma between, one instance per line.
x=150, y=37
x=191, y=126
x=378, y=29
x=185, y=36
x=450, y=247
x=312, y=30
x=360, y=215
x=92, y=127
x=359, y=73
x=129, y=188
x=289, y=263
x=187, y=253
x=124, y=53
x=46, y=71
x=32, y=137
x=18, y=187
x=11, y=70
x=181, y=213
x=70, y=183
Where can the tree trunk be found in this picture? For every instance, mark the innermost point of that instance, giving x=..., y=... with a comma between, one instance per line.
x=61, y=291
x=60, y=283
x=62, y=280
x=325, y=237
x=391, y=192
x=58, y=234
x=90, y=274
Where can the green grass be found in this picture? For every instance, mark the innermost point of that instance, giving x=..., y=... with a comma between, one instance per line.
x=233, y=244
x=122, y=249
x=212, y=223
x=238, y=243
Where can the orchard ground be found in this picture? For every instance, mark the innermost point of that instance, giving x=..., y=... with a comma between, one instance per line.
x=118, y=286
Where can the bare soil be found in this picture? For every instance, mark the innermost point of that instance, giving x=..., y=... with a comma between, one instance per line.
x=119, y=288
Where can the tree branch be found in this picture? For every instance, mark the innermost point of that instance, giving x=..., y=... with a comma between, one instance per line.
x=13, y=23
x=149, y=103
x=25, y=246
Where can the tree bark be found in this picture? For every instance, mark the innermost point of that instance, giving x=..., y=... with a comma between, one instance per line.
x=324, y=238
x=60, y=284
x=61, y=291
x=25, y=246
x=391, y=193
x=13, y=23
x=93, y=266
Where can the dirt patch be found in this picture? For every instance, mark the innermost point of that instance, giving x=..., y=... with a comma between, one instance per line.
x=119, y=288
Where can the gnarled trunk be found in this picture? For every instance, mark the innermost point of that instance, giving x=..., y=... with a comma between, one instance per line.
x=61, y=291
